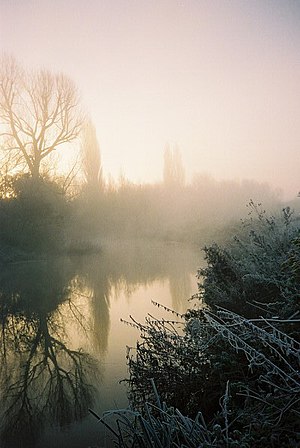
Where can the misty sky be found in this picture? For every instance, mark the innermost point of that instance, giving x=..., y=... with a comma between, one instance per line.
x=221, y=78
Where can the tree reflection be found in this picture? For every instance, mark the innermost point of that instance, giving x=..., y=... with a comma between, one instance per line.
x=46, y=306
x=180, y=289
x=133, y=263
x=94, y=278
x=43, y=381
x=124, y=266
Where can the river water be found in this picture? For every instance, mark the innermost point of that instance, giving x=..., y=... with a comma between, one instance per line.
x=63, y=346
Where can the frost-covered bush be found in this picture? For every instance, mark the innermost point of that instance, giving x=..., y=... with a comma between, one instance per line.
x=235, y=358
x=226, y=381
x=257, y=273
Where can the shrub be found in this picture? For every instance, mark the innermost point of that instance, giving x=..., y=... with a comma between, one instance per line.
x=239, y=366
x=34, y=220
x=239, y=375
x=257, y=272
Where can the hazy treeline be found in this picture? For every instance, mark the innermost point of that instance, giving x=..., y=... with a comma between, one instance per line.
x=42, y=215
x=43, y=212
x=192, y=212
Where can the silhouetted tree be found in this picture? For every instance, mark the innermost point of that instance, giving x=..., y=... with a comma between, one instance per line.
x=173, y=167
x=91, y=157
x=38, y=112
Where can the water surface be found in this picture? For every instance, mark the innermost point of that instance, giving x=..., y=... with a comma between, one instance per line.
x=63, y=345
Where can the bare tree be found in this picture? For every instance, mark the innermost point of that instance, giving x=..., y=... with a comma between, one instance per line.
x=38, y=112
x=91, y=157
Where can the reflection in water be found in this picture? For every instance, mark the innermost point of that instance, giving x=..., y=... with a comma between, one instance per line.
x=94, y=280
x=180, y=287
x=132, y=264
x=56, y=332
x=42, y=380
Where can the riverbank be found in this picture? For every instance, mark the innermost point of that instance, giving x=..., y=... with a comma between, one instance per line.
x=232, y=378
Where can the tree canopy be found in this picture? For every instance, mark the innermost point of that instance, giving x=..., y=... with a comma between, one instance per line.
x=39, y=111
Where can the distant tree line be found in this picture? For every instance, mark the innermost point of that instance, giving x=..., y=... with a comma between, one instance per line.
x=41, y=211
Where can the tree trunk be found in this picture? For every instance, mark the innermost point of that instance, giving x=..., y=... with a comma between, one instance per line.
x=35, y=170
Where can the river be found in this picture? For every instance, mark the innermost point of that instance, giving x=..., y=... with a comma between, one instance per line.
x=63, y=346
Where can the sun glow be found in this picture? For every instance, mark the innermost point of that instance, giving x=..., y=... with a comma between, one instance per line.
x=218, y=78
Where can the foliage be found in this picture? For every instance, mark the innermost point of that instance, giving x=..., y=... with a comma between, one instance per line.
x=195, y=213
x=159, y=426
x=243, y=375
x=174, y=175
x=91, y=158
x=246, y=369
x=7, y=187
x=258, y=272
x=240, y=369
x=34, y=219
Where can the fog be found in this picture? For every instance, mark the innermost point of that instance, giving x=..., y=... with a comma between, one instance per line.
x=132, y=135
x=218, y=78
x=195, y=213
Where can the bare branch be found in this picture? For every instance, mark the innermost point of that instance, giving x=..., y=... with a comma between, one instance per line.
x=39, y=110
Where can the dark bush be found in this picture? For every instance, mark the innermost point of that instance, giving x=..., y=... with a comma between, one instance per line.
x=35, y=219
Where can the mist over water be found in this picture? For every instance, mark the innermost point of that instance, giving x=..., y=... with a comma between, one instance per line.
x=132, y=134
x=63, y=346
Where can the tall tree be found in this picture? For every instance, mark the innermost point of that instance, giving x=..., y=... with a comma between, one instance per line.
x=39, y=111
x=91, y=156
x=173, y=173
